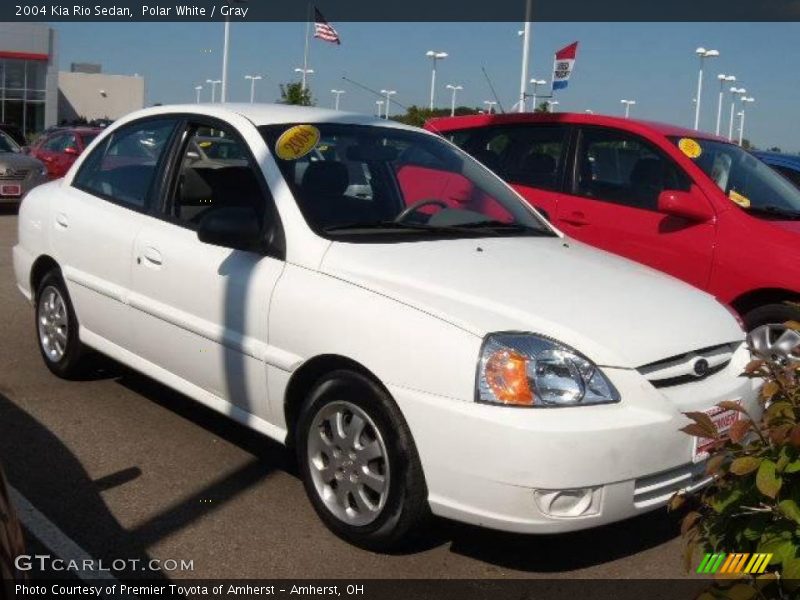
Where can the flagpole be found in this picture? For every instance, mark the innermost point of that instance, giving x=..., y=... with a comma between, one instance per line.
x=305, y=54
x=526, y=36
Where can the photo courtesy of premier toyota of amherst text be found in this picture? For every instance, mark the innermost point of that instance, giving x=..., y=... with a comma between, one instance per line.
x=330, y=299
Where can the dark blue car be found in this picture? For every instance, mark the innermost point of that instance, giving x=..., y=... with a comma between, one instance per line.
x=787, y=165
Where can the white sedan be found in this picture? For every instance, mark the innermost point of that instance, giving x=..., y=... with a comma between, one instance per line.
x=369, y=294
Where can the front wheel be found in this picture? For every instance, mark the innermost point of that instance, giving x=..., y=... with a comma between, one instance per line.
x=359, y=464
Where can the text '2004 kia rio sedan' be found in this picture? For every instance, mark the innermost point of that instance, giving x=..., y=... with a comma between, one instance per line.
x=422, y=352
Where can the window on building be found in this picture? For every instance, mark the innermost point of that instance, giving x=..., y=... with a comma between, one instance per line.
x=22, y=93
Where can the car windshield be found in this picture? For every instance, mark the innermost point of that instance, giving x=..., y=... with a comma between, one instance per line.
x=747, y=181
x=362, y=182
x=7, y=144
x=88, y=138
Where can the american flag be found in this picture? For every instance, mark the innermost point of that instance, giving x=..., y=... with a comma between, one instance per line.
x=324, y=30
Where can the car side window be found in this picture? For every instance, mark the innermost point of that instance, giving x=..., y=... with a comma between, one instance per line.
x=531, y=155
x=55, y=143
x=123, y=167
x=214, y=172
x=790, y=174
x=616, y=167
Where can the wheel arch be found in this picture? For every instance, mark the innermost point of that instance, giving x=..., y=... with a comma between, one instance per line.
x=760, y=297
x=41, y=267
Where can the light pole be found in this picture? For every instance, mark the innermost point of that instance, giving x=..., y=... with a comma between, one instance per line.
x=734, y=92
x=336, y=94
x=723, y=79
x=434, y=55
x=214, y=83
x=305, y=72
x=379, y=104
x=703, y=54
x=454, y=89
x=388, y=94
x=223, y=95
x=526, y=41
x=745, y=100
x=198, y=89
x=536, y=83
x=551, y=104
x=628, y=104
x=490, y=104
x=253, y=79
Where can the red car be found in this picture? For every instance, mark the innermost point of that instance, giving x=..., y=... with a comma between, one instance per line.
x=59, y=148
x=684, y=202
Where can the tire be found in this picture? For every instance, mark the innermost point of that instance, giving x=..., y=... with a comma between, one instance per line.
x=771, y=313
x=341, y=473
x=56, y=328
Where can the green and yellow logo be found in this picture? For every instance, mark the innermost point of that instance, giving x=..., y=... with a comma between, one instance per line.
x=734, y=563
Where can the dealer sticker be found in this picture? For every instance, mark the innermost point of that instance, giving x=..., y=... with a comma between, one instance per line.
x=297, y=141
x=723, y=419
x=690, y=147
x=736, y=197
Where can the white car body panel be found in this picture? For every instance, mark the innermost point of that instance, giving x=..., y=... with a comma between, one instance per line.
x=230, y=328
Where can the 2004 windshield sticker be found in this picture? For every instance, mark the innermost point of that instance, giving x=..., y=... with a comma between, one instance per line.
x=297, y=141
x=690, y=147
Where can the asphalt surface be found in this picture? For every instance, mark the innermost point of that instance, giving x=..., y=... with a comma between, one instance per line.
x=129, y=469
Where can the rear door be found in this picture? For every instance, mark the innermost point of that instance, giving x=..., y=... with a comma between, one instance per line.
x=616, y=180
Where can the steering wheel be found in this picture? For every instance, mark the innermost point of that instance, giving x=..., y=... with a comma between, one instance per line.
x=416, y=206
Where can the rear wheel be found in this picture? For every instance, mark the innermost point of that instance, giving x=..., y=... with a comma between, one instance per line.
x=57, y=328
x=772, y=314
x=359, y=464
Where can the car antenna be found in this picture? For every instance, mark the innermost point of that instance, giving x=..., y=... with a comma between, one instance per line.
x=371, y=91
x=494, y=93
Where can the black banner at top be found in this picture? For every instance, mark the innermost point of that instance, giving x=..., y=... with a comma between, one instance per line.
x=405, y=10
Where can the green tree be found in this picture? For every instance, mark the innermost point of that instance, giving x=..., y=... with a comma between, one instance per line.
x=416, y=115
x=293, y=93
x=543, y=107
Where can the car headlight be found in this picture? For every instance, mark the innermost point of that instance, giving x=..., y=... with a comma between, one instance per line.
x=524, y=369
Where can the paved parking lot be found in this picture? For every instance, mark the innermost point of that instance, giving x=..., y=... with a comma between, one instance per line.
x=129, y=469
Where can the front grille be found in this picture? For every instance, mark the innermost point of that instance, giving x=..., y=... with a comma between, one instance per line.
x=657, y=489
x=689, y=367
x=13, y=175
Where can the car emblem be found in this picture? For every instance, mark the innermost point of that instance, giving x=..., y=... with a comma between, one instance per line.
x=701, y=367
x=775, y=343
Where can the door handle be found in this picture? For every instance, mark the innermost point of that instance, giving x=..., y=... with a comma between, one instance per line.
x=61, y=219
x=576, y=218
x=152, y=256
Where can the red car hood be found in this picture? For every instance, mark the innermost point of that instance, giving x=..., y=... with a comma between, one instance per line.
x=793, y=226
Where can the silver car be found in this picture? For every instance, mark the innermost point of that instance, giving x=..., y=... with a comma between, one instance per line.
x=19, y=173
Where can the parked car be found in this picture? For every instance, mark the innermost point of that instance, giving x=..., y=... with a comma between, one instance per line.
x=787, y=165
x=419, y=353
x=19, y=173
x=682, y=201
x=12, y=543
x=59, y=148
x=14, y=132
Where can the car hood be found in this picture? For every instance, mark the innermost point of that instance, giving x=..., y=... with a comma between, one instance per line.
x=12, y=160
x=616, y=312
x=791, y=226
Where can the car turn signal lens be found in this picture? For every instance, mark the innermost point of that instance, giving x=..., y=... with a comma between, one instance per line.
x=506, y=373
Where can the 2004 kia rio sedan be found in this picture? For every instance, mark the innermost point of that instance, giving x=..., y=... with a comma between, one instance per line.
x=422, y=351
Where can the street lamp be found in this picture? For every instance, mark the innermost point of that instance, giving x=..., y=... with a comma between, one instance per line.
x=253, y=79
x=306, y=72
x=628, y=104
x=198, y=89
x=434, y=55
x=734, y=92
x=745, y=100
x=490, y=104
x=214, y=83
x=388, y=94
x=536, y=83
x=336, y=94
x=551, y=104
x=454, y=89
x=723, y=79
x=702, y=54
x=379, y=104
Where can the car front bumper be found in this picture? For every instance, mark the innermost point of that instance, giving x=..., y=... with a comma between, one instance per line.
x=554, y=470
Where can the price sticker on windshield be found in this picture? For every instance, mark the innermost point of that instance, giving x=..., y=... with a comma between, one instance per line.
x=297, y=141
x=737, y=198
x=690, y=148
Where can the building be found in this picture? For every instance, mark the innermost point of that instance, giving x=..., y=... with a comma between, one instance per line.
x=28, y=76
x=86, y=92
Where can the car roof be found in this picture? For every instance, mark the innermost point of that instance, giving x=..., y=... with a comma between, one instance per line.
x=270, y=114
x=779, y=158
x=442, y=124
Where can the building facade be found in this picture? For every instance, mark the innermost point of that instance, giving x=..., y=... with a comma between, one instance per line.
x=97, y=95
x=28, y=76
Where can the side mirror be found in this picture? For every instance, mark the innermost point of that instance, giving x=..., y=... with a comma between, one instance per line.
x=232, y=227
x=72, y=150
x=686, y=205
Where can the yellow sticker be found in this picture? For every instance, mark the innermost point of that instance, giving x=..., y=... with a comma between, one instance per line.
x=297, y=141
x=690, y=147
x=204, y=144
x=736, y=197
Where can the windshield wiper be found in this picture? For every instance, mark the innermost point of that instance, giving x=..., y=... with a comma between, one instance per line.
x=504, y=226
x=377, y=225
x=474, y=228
x=774, y=211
